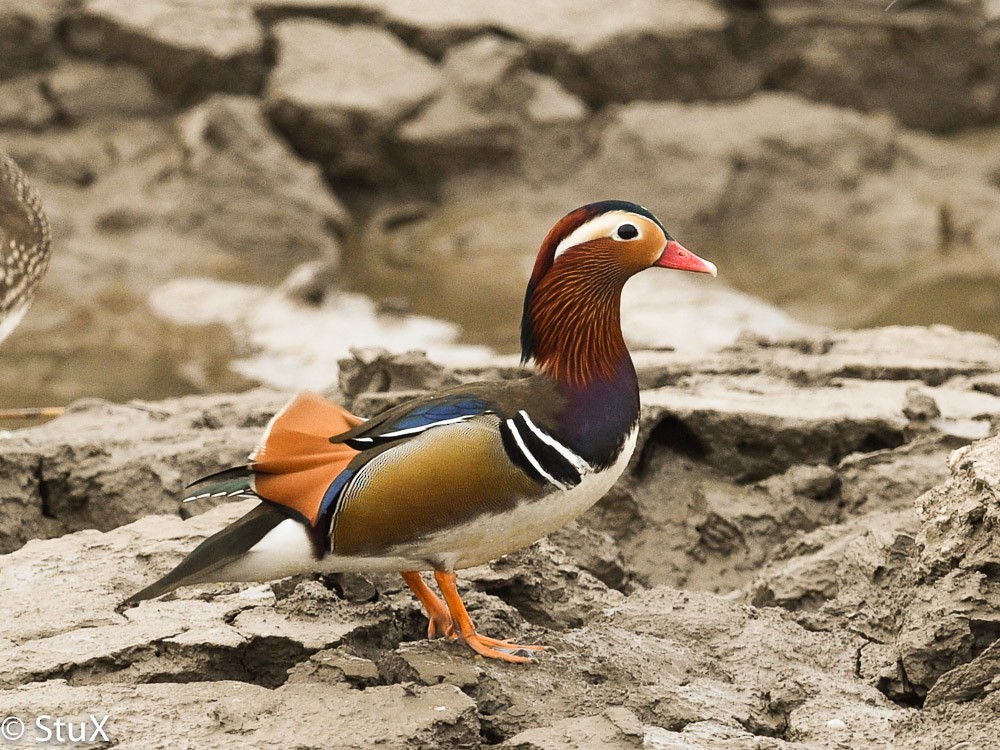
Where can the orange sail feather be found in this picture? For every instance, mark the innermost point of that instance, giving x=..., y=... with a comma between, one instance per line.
x=295, y=462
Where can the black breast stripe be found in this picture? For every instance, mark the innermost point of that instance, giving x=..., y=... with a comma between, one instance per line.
x=532, y=451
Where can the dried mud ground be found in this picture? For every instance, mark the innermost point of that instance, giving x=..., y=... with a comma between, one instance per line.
x=803, y=554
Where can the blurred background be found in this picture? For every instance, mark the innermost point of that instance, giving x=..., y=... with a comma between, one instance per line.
x=240, y=191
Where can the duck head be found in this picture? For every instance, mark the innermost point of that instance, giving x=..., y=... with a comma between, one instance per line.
x=571, y=324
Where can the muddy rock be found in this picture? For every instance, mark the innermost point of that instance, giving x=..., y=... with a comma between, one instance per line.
x=85, y=90
x=590, y=47
x=917, y=583
x=233, y=714
x=23, y=104
x=822, y=424
x=102, y=464
x=239, y=639
x=276, y=206
x=932, y=65
x=28, y=34
x=188, y=48
x=831, y=605
x=214, y=190
x=337, y=92
x=370, y=371
x=493, y=110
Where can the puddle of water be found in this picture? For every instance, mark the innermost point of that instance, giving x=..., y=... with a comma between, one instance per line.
x=293, y=345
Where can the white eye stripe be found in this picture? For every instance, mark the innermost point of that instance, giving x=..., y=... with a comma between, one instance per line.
x=605, y=225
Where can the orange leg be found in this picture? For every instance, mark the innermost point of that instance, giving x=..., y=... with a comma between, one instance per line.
x=439, y=620
x=481, y=644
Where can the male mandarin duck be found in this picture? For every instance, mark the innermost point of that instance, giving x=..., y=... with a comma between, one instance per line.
x=24, y=244
x=470, y=473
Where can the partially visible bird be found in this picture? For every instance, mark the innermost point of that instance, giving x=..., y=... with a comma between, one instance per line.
x=24, y=244
x=465, y=475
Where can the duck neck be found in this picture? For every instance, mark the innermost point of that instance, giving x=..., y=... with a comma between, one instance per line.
x=572, y=329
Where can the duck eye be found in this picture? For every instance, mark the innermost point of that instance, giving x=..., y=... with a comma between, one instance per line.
x=626, y=232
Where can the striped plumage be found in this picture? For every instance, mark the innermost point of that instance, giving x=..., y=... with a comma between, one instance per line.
x=462, y=476
x=24, y=244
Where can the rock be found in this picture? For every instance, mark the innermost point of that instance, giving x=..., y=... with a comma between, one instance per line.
x=226, y=180
x=188, y=48
x=80, y=156
x=425, y=663
x=921, y=589
x=336, y=665
x=23, y=104
x=951, y=615
x=814, y=482
x=919, y=407
x=851, y=623
x=476, y=118
x=231, y=714
x=661, y=643
x=28, y=34
x=891, y=479
x=484, y=70
x=902, y=60
x=244, y=189
x=85, y=91
x=310, y=282
x=117, y=454
x=378, y=370
x=449, y=134
x=545, y=585
x=552, y=105
x=821, y=425
x=931, y=355
x=592, y=49
x=492, y=110
x=854, y=560
x=583, y=732
x=968, y=681
x=337, y=92
x=611, y=58
x=596, y=552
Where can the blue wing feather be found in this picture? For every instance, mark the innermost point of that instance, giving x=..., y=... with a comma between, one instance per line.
x=427, y=414
x=423, y=417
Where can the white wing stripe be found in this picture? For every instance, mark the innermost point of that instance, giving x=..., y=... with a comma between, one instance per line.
x=421, y=428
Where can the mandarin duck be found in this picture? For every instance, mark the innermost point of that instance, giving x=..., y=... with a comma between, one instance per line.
x=460, y=477
x=24, y=245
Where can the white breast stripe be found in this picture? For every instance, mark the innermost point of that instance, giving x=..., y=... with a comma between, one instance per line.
x=578, y=463
x=531, y=459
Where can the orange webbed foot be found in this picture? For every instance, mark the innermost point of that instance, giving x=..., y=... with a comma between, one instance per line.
x=491, y=648
x=503, y=650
